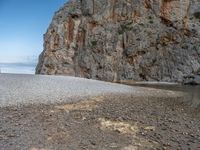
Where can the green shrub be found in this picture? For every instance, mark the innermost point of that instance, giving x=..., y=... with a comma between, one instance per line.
x=125, y=27
x=93, y=43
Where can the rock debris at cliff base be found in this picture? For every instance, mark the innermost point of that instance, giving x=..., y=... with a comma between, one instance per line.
x=117, y=40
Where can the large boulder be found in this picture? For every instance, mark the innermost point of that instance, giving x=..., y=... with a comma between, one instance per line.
x=116, y=40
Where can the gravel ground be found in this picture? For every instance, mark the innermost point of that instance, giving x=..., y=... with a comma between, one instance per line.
x=113, y=122
x=66, y=113
x=17, y=89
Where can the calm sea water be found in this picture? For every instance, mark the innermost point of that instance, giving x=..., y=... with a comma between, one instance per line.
x=193, y=92
x=18, y=68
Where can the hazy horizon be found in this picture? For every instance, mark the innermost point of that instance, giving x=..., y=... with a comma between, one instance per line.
x=19, y=68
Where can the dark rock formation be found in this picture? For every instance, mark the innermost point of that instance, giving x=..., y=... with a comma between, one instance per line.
x=192, y=80
x=116, y=40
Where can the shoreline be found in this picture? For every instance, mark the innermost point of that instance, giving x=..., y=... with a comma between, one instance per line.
x=130, y=82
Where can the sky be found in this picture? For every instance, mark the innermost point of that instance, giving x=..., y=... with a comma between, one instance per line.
x=22, y=25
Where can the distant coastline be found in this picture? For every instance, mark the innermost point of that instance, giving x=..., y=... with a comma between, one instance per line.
x=18, y=67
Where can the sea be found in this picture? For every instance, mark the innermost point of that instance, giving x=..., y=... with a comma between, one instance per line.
x=18, y=68
x=192, y=96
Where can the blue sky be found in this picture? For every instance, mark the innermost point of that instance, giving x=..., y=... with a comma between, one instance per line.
x=22, y=25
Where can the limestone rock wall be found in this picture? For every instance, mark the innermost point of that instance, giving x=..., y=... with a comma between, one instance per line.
x=116, y=40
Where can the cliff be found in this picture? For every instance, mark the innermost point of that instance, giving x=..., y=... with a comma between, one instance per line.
x=116, y=40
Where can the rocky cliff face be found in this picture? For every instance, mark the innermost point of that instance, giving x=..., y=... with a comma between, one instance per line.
x=116, y=40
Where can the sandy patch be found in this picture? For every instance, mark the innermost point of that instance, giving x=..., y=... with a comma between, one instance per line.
x=89, y=104
x=121, y=127
x=131, y=129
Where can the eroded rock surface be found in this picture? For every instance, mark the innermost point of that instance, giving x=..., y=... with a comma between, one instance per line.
x=116, y=40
